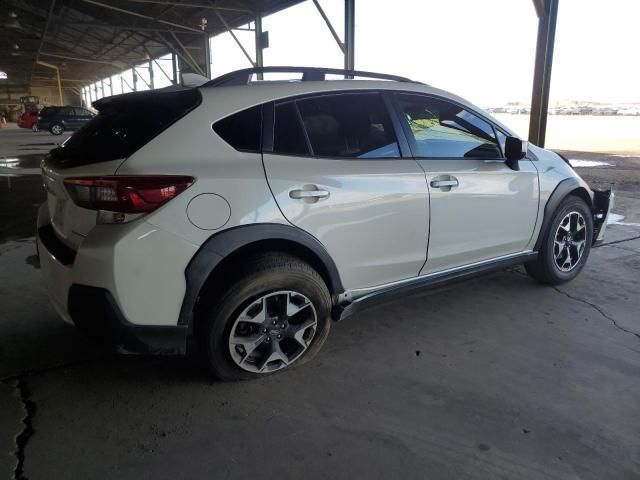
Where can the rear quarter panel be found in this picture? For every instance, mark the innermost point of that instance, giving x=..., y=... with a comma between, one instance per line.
x=191, y=147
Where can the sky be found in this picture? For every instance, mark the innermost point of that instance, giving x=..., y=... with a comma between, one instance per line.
x=482, y=50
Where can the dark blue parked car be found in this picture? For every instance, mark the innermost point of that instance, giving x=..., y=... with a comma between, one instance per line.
x=59, y=119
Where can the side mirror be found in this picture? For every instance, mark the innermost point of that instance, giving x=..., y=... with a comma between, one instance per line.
x=514, y=150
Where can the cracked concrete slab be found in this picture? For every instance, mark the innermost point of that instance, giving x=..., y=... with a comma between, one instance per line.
x=11, y=415
x=513, y=380
x=613, y=286
x=32, y=337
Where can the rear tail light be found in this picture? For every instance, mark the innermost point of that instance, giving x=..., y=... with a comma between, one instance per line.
x=137, y=194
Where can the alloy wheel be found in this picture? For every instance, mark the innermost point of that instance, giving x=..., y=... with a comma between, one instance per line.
x=273, y=332
x=569, y=241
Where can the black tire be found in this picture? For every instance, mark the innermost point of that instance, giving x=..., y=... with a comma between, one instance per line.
x=56, y=128
x=545, y=268
x=258, y=276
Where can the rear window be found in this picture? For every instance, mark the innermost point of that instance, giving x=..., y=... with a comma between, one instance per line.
x=123, y=125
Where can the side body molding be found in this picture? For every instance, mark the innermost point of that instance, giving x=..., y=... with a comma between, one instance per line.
x=563, y=189
x=220, y=245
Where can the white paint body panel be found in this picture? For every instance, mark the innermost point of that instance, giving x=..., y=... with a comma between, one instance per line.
x=374, y=223
x=492, y=212
x=141, y=265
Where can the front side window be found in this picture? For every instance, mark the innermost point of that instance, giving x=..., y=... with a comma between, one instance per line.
x=348, y=125
x=445, y=130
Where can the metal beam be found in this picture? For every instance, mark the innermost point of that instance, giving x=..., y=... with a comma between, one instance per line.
x=171, y=48
x=123, y=27
x=140, y=77
x=207, y=55
x=78, y=59
x=540, y=8
x=233, y=35
x=48, y=65
x=140, y=15
x=155, y=60
x=335, y=35
x=349, y=34
x=191, y=5
x=174, y=68
x=42, y=37
x=542, y=73
x=192, y=61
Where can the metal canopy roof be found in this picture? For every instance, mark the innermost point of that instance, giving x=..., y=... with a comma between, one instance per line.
x=89, y=39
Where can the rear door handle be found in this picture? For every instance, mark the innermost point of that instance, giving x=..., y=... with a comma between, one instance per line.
x=309, y=194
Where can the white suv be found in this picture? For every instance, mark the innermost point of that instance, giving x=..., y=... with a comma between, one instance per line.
x=241, y=216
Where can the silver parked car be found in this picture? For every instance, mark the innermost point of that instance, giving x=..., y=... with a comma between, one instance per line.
x=245, y=215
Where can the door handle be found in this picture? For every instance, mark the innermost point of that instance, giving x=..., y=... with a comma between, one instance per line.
x=309, y=194
x=445, y=183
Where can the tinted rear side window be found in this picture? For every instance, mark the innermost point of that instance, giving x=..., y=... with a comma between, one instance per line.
x=349, y=125
x=242, y=130
x=289, y=137
x=123, y=125
x=48, y=111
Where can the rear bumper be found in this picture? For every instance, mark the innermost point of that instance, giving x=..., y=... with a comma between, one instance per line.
x=97, y=315
x=123, y=287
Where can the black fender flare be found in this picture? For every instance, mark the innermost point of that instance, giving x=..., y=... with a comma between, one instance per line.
x=564, y=188
x=220, y=245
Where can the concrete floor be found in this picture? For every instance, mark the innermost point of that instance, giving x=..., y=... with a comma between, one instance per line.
x=498, y=377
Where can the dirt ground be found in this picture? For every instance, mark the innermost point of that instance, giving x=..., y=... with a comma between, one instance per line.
x=622, y=176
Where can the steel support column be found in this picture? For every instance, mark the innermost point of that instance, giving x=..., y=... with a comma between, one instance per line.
x=259, y=46
x=151, y=83
x=349, y=33
x=207, y=55
x=48, y=65
x=174, y=68
x=547, y=11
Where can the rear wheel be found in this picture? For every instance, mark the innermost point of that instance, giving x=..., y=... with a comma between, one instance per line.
x=56, y=129
x=275, y=314
x=566, y=245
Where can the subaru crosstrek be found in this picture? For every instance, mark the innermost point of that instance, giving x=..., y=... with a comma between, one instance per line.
x=240, y=216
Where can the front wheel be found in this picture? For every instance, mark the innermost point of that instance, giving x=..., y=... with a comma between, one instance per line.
x=275, y=314
x=566, y=243
x=56, y=129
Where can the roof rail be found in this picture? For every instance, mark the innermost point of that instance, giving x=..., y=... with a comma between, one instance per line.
x=309, y=74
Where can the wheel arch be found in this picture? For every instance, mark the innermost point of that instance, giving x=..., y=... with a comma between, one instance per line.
x=224, y=249
x=568, y=186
